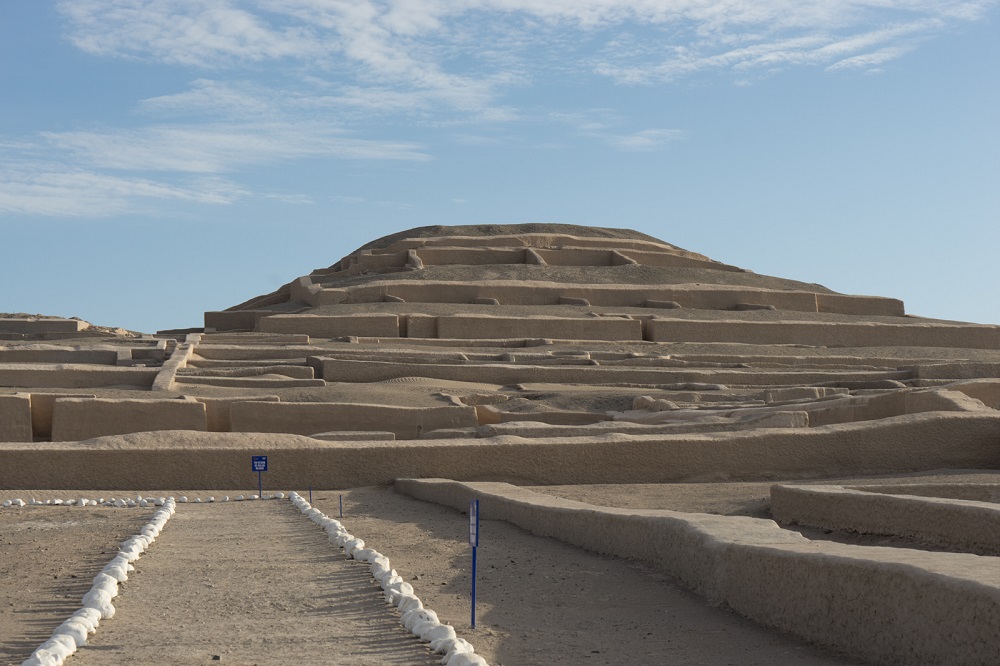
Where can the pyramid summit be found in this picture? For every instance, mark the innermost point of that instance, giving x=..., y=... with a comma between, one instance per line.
x=582, y=382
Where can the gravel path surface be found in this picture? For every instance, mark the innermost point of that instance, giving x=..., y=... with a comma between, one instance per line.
x=250, y=583
x=49, y=556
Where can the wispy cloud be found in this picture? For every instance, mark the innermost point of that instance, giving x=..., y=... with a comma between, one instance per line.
x=644, y=141
x=416, y=43
x=47, y=189
x=278, y=81
x=222, y=148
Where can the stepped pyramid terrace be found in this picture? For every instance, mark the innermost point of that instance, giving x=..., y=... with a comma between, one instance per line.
x=821, y=464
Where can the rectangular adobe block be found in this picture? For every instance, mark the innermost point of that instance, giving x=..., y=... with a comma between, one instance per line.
x=307, y=418
x=73, y=375
x=318, y=326
x=15, y=418
x=42, y=325
x=217, y=409
x=41, y=410
x=825, y=334
x=563, y=328
x=76, y=419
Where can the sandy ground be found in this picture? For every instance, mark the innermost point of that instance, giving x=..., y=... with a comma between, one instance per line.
x=250, y=583
x=48, y=558
x=257, y=583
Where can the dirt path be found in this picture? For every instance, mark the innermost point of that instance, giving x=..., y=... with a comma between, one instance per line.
x=49, y=556
x=250, y=583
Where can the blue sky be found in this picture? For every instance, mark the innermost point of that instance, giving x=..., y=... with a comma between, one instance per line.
x=160, y=159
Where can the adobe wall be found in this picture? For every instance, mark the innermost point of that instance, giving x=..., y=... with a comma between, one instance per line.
x=860, y=305
x=233, y=320
x=288, y=370
x=344, y=370
x=43, y=325
x=826, y=334
x=960, y=370
x=56, y=355
x=537, y=240
x=843, y=596
x=41, y=410
x=963, y=524
x=230, y=352
x=592, y=328
x=217, y=410
x=986, y=391
x=76, y=419
x=73, y=375
x=434, y=256
x=248, y=382
x=318, y=326
x=670, y=260
x=710, y=297
x=191, y=460
x=306, y=418
x=15, y=418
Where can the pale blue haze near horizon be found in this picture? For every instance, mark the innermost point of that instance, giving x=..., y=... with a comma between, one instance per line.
x=160, y=159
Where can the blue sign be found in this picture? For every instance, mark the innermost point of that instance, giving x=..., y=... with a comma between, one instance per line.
x=258, y=463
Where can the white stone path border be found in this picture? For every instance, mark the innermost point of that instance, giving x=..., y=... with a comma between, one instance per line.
x=71, y=634
x=421, y=621
x=97, y=606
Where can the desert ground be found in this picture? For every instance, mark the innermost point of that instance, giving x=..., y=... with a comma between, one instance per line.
x=257, y=583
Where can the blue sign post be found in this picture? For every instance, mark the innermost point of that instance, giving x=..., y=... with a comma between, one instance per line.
x=474, y=542
x=259, y=464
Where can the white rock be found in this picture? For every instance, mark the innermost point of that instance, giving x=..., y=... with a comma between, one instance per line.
x=75, y=629
x=411, y=617
x=89, y=616
x=466, y=659
x=408, y=602
x=447, y=646
x=436, y=632
x=182, y=499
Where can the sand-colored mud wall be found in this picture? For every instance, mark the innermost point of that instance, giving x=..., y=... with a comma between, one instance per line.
x=41, y=375
x=826, y=334
x=961, y=524
x=317, y=326
x=888, y=606
x=42, y=325
x=55, y=355
x=307, y=418
x=217, y=410
x=714, y=297
x=344, y=370
x=15, y=418
x=75, y=419
x=566, y=328
x=219, y=460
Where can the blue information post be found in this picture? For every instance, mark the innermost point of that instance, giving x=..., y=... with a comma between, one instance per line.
x=259, y=464
x=474, y=542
